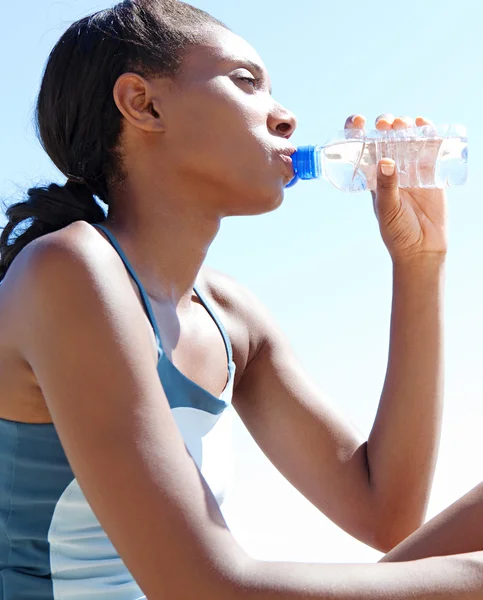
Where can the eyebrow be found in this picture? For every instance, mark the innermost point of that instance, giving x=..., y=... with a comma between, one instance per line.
x=256, y=67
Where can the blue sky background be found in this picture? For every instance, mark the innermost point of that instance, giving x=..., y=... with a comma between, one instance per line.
x=318, y=261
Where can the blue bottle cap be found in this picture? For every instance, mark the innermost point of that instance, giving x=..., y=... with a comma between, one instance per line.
x=306, y=164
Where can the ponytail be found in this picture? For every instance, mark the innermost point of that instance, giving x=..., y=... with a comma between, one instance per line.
x=47, y=209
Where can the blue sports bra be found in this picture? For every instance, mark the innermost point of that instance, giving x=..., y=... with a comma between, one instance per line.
x=52, y=546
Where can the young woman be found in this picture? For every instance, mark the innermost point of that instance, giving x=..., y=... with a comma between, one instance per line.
x=120, y=353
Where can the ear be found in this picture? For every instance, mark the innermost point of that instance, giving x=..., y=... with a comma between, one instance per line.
x=139, y=101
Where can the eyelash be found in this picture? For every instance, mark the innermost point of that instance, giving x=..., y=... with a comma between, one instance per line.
x=254, y=81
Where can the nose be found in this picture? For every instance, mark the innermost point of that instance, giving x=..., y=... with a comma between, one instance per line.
x=281, y=121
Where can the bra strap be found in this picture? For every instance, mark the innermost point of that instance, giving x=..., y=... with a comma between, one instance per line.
x=132, y=273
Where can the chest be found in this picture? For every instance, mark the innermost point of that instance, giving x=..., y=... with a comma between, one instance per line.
x=200, y=344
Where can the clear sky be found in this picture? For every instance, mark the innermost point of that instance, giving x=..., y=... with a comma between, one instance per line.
x=318, y=261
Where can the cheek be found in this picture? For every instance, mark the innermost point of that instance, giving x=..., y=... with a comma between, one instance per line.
x=221, y=137
x=215, y=116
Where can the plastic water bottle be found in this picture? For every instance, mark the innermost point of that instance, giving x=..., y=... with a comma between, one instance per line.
x=426, y=157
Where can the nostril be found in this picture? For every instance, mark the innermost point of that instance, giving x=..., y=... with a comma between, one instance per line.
x=284, y=128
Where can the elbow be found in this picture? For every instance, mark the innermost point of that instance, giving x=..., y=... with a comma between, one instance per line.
x=391, y=531
x=224, y=578
x=392, y=519
x=217, y=573
x=384, y=542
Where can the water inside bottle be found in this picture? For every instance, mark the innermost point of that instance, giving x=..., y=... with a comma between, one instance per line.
x=435, y=161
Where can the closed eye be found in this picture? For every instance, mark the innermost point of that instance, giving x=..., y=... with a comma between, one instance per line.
x=253, y=81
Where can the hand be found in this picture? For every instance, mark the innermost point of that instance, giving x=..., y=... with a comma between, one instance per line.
x=412, y=221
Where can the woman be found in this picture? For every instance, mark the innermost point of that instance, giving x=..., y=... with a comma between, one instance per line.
x=120, y=353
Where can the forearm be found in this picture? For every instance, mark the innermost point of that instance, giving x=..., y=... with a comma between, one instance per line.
x=403, y=443
x=455, y=577
x=456, y=530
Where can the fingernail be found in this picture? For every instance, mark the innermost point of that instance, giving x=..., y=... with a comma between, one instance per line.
x=388, y=168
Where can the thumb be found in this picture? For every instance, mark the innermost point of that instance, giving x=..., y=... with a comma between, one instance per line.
x=386, y=200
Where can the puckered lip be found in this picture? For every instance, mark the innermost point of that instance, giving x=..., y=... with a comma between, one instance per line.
x=288, y=151
x=286, y=155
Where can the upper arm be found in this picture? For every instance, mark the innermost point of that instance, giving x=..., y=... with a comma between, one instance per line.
x=85, y=336
x=300, y=431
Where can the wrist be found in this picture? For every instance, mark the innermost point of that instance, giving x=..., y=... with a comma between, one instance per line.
x=423, y=260
x=420, y=274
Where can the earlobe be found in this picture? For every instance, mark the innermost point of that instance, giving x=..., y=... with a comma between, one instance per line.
x=134, y=97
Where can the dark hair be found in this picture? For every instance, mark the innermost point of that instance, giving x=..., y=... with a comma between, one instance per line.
x=77, y=120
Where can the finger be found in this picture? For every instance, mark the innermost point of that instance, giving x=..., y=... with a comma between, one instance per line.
x=355, y=122
x=387, y=170
x=402, y=123
x=422, y=121
x=384, y=122
x=387, y=196
x=354, y=126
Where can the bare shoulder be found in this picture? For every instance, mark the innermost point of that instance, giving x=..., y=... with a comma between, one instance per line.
x=248, y=320
x=71, y=257
x=76, y=250
x=70, y=275
x=77, y=243
x=41, y=264
x=226, y=290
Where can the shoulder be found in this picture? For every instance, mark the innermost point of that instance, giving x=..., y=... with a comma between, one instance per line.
x=78, y=249
x=248, y=318
x=77, y=243
x=71, y=266
x=227, y=291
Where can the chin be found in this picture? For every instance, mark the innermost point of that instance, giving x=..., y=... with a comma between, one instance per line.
x=259, y=203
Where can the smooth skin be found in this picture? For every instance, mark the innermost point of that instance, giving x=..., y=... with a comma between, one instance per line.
x=76, y=348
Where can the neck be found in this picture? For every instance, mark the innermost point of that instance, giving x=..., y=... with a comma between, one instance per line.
x=165, y=237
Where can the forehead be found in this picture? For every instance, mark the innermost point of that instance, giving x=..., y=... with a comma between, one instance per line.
x=218, y=47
